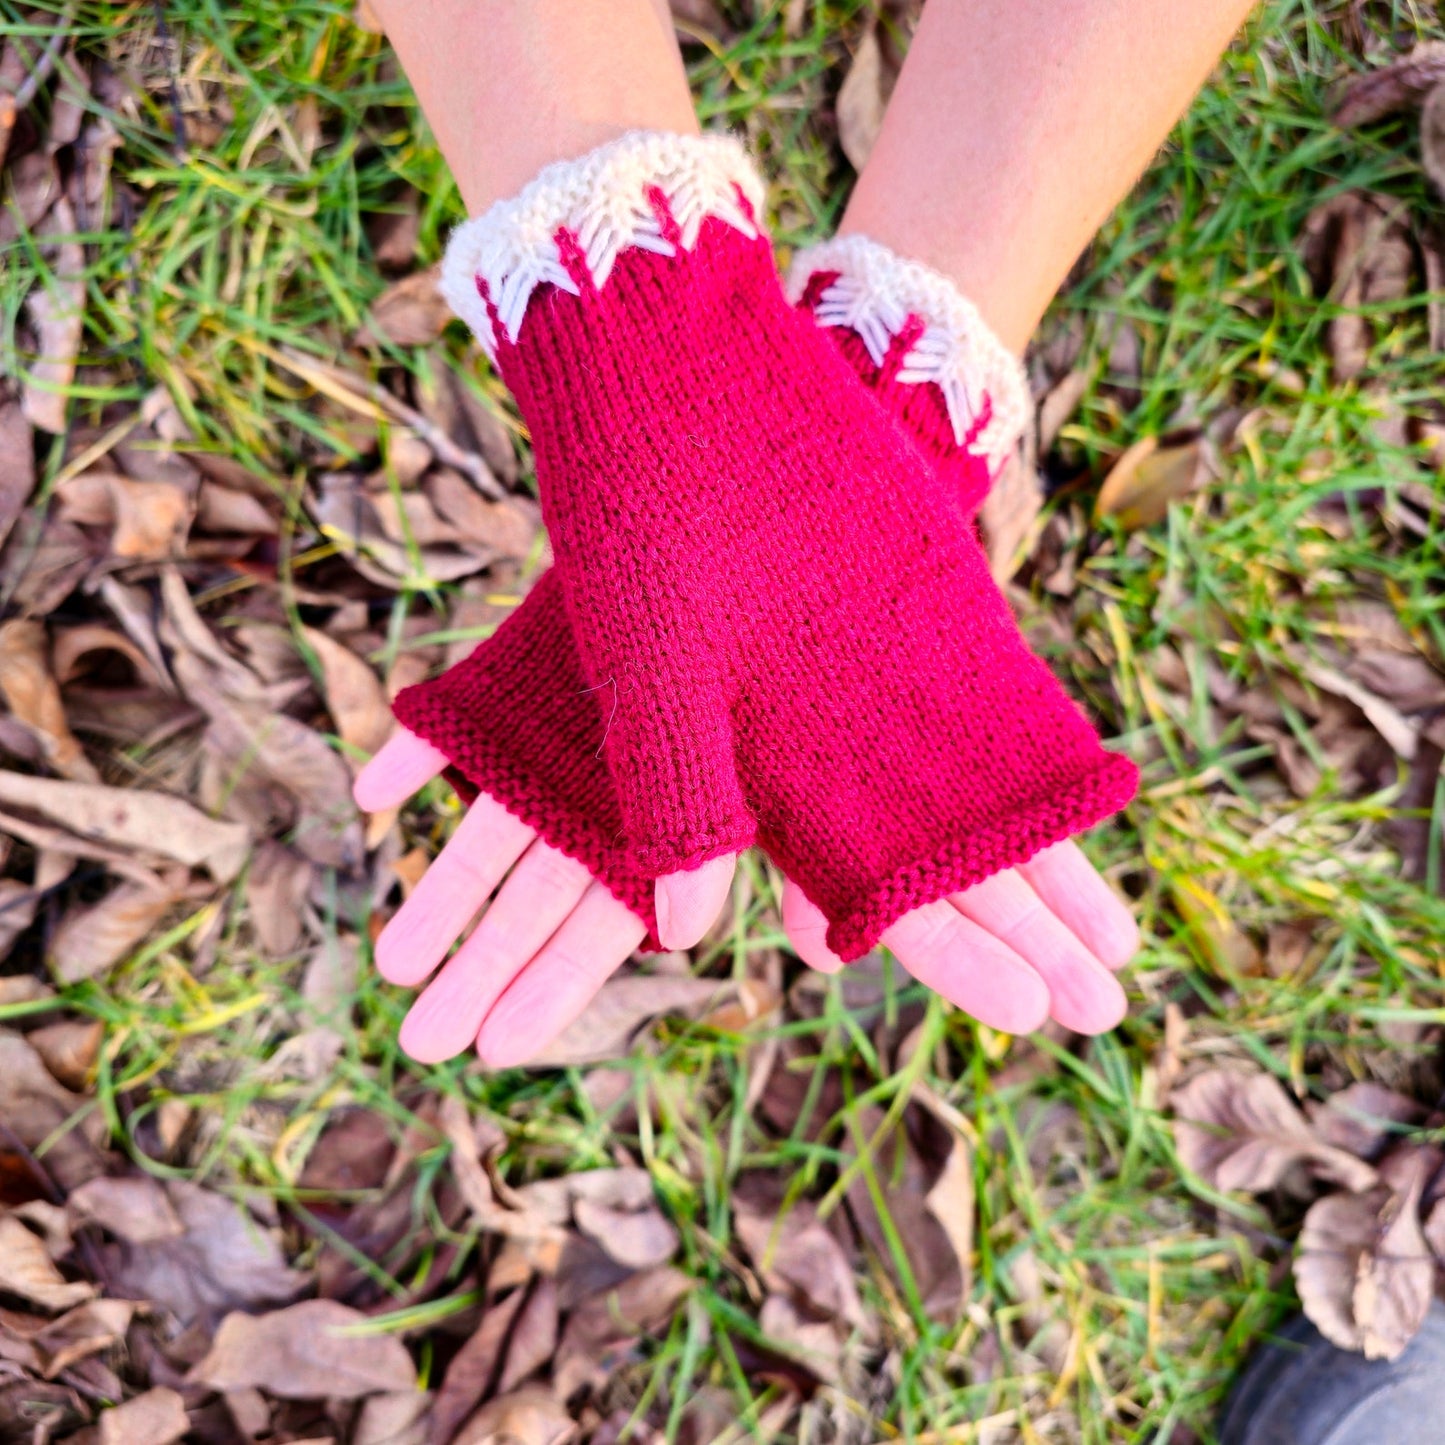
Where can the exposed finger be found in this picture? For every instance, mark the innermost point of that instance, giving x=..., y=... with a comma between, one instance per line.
x=532, y=903
x=968, y=966
x=486, y=844
x=404, y=764
x=1065, y=879
x=551, y=992
x=807, y=929
x=688, y=903
x=1084, y=995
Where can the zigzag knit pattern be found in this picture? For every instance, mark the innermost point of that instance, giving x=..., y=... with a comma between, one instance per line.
x=769, y=616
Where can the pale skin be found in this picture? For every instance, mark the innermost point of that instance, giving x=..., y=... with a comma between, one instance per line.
x=1013, y=131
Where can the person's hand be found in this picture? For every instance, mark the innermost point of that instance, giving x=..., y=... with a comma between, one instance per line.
x=1040, y=941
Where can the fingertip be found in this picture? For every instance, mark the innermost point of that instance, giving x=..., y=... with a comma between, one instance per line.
x=689, y=903
x=403, y=764
x=806, y=927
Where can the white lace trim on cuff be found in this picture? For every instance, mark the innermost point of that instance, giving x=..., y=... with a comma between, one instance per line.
x=604, y=199
x=877, y=291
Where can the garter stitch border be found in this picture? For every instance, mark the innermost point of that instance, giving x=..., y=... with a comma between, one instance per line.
x=874, y=294
x=606, y=202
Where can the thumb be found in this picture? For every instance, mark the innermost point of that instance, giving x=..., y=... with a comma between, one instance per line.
x=689, y=903
x=404, y=764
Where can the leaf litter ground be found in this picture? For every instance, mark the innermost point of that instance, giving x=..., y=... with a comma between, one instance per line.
x=251, y=484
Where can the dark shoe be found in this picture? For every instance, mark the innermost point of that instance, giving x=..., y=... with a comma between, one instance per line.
x=1301, y=1390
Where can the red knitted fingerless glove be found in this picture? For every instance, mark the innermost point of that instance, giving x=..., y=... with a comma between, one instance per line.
x=785, y=630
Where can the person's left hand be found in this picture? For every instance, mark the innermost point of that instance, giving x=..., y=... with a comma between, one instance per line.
x=1039, y=941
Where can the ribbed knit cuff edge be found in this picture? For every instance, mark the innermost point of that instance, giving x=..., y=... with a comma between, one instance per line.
x=874, y=294
x=604, y=200
x=962, y=862
x=495, y=776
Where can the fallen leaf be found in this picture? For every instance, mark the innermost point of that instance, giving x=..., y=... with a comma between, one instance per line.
x=605, y=1326
x=69, y=1049
x=33, y=697
x=410, y=312
x=532, y=1416
x=223, y=1261
x=302, y=1353
x=863, y=98
x=133, y=819
x=813, y=1343
x=277, y=883
x=399, y=1418
x=1398, y=86
x=620, y=1009
x=354, y=695
x=1143, y=483
x=89, y=1329
x=533, y=1338
x=157, y=1417
x=1242, y=1131
x=93, y=937
x=38, y=1107
x=474, y=1367
x=134, y=1208
x=1008, y=514
x=148, y=519
x=57, y=311
x=794, y=1252
x=17, y=464
x=476, y=1188
x=1432, y=135
x=1364, y=1271
x=638, y=1238
x=1358, y=250
x=1364, y=1118
x=28, y=1271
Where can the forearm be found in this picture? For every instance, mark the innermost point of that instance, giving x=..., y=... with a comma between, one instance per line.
x=1015, y=129
x=509, y=86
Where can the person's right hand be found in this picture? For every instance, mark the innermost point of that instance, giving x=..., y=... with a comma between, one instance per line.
x=1038, y=941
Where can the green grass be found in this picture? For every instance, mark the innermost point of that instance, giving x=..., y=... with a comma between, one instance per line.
x=1139, y=1290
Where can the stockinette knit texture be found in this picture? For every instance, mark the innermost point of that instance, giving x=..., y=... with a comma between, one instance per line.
x=784, y=629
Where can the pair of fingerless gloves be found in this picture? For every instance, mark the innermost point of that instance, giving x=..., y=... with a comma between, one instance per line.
x=769, y=620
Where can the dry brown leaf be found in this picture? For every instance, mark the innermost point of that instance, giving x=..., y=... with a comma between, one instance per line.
x=57, y=311
x=1364, y=1271
x=36, y=1105
x=863, y=98
x=608, y=1323
x=157, y=1417
x=951, y=1200
x=872, y=74
x=474, y=1367
x=531, y=1416
x=810, y=1342
x=133, y=819
x=89, y=1329
x=354, y=694
x=393, y=1419
x=794, y=1252
x=276, y=887
x=134, y=1207
x=1242, y=1131
x=73, y=647
x=637, y=1238
x=1009, y=512
x=33, y=697
x=302, y=1353
x=1378, y=93
x=699, y=15
x=1148, y=477
x=17, y=464
x=28, y=1271
x=93, y=937
x=149, y=519
x=410, y=312
x=226, y=510
x=1357, y=247
x=533, y=1339
x=1432, y=135
x=44, y=560
x=507, y=529
x=224, y=1260
x=621, y=1008
x=69, y=1049
x=1363, y=1118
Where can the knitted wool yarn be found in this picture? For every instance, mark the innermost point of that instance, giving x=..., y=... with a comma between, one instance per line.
x=784, y=629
